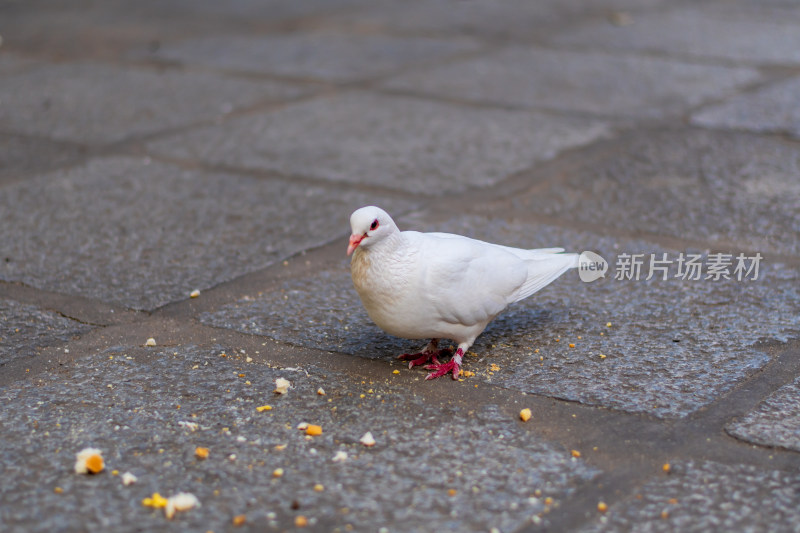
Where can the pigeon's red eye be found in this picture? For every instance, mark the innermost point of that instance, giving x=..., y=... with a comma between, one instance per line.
x=374, y=224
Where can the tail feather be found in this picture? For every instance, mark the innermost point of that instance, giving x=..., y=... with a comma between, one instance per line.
x=543, y=270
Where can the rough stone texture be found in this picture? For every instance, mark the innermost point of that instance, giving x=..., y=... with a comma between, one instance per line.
x=124, y=401
x=775, y=108
x=709, y=496
x=702, y=186
x=773, y=36
x=182, y=230
x=617, y=85
x=24, y=329
x=371, y=139
x=22, y=157
x=776, y=422
x=503, y=19
x=665, y=350
x=100, y=104
x=324, y=56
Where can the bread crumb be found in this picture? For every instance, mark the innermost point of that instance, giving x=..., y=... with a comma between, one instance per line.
x=525, y=414
x=183, y=501
x=129, y=479
x=194, y=294
x=264, y=408
x=89, y=461
x=575, y=453
x=340, y=456
x=278, y=472
x=321, y=391
x=200, y=452
x=314, y=430
x=282, y=386
x=367, y=439
x=150, y=342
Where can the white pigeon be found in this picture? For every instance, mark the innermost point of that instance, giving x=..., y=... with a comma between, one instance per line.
x=439, y=285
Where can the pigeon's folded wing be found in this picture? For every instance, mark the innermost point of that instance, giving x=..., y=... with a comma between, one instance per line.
x=469, y=282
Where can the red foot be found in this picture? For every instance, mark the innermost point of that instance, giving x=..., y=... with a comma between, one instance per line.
x=440, y=369
x=424, y=357
x=416, y=359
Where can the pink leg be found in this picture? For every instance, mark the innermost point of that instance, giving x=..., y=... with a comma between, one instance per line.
x=453, y=365
x=430, y=353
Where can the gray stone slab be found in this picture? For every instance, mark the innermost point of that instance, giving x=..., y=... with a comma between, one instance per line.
x=95, y=103
x=722, y=30
x=776, y=422
x=323, y=56
x=22, y=157
x=621, y=85
x=372, y=139
x=673, y=347
x=504, y=19
x=142, y=234
x=125, y=402
x=25, y=329
x=698, y=185
x=775, y=108
x=709, y=496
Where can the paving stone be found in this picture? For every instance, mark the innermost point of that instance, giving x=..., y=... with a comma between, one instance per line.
x=108, y=30
x=156, y=232
x=127, y=407
x=697, y=185
x=665, y=352
x=720, y=30
x=776, y=422
x=100, y=104
x=22, y=157
x=399, y=142
x=324, y=56
x=775, y=108
x=621, y=85
x=24, y=329
x=514, y=19
x=709, y=496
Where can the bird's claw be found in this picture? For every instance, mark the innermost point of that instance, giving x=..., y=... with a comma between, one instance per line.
x=440, y=369
x=421, y=358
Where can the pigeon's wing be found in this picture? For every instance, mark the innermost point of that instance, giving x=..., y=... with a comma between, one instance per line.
x=542, y=265
x=468, y=281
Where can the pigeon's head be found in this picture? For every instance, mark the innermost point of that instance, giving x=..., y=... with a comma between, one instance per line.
x=369, y=225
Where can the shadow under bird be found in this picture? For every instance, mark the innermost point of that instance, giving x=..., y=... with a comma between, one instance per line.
x=439, y=285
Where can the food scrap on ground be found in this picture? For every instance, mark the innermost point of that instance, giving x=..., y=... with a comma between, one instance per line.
x=340, y=456
x=156, y=501
x=602, y=507
x=314, y=430
x=264, y=408
x=282, y=386
x=183, y=501
x=194, y=294
x=321, y=391
x=200, y=452
x=525, y=414
x=129, y=479
x=89, y=461
x=238, y=520
x=150, y=342
x=367, y=439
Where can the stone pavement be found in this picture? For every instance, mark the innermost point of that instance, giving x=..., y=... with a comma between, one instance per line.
x=152, y=148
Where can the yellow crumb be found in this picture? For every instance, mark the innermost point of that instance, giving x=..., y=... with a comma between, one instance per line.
x=525, y=414
x=200, y=452
x=313, y=430
x=300, y=521
x=156, y=501
x=238, y=520
x=264, y=408
x=319, y=487
x=58, y=490
x=602, y=507
x=571, y=345
x=395, y=371
x=278, y=472
x=575, y=453
x=452, y=492
x=666, y=468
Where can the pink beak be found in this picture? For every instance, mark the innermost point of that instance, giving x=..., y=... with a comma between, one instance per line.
x=355, y=240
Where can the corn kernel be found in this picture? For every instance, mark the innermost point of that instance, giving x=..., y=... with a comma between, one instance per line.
x=525, y=414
